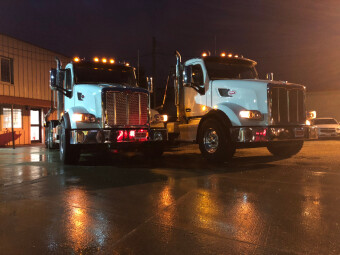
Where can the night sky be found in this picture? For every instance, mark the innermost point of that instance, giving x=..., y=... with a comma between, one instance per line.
x=298, y=40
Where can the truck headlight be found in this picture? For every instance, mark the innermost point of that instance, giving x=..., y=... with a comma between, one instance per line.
x=160, y=118
x=84, y=117
x=251, y=114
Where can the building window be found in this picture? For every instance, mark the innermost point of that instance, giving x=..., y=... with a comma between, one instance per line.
x=17, y=123
x=6, y=70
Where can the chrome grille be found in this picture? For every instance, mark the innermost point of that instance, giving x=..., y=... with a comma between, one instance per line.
x=126, y=108
x=286, y=104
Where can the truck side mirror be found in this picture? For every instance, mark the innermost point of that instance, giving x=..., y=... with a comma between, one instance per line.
x=53, y=79
x=149, y=81
x=187, y=76
x=270, y=76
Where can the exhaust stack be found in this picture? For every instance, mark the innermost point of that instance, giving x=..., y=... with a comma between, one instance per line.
x=179, y=86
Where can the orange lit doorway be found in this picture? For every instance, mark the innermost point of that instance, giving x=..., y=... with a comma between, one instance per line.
x=36, y=126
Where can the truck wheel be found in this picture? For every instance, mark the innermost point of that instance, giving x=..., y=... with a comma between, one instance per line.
x=285, y=149
x=50, y=138
x=215, y=142
x=68, y=154
x=46, y=137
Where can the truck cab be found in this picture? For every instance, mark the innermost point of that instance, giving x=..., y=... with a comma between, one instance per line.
x=100, y=106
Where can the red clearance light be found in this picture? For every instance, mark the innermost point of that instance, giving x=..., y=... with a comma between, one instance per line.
x=132, y=134
x=120, y=136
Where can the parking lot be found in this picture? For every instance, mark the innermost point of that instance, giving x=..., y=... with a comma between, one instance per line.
x=177, y=204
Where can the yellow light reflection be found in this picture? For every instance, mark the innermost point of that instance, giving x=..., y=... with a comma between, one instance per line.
x=83, y=228
x=245, y=219
x=166, y=208
x=311, y=209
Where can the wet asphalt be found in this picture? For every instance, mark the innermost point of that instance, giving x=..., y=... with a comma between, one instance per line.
x=178, y=204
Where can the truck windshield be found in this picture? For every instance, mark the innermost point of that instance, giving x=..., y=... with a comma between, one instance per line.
x=96, y=73
x=225, y=68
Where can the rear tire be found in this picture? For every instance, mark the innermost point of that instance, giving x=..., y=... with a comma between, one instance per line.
x=214, y=141
x=285, y=149
x=68, y=154
x=50, y=138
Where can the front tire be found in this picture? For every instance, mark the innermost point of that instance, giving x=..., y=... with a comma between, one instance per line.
x=214, y=141
x=285, y=149
x=68, y=154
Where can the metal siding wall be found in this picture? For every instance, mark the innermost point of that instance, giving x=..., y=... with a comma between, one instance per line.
x=31, y=65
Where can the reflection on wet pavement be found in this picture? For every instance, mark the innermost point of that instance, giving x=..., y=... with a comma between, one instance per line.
x=180, y=204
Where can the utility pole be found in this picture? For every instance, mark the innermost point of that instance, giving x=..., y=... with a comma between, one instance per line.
x=154, y=70
x=138, y=67
x=12, y=124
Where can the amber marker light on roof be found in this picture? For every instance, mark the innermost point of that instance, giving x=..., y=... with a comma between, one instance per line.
x=230, y=55
x=223, y=54
x=96, y=59
x=76, y=59
x=112, y=61
x=104, y=60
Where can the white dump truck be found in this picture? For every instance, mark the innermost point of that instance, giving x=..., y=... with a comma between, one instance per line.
x=100, y=107
x=220, y=103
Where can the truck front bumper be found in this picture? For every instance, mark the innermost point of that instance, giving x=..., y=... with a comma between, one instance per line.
x=117, y=136
x=250, y=135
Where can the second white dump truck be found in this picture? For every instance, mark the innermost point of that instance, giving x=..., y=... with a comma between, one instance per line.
x=221, y=104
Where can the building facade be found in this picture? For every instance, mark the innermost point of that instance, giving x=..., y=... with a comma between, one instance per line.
x=24, y=90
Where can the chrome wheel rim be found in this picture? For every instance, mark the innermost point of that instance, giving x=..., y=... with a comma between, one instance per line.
x=210, y=140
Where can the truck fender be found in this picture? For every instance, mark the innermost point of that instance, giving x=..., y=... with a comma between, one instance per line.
x=66, y=119
x=214, y=114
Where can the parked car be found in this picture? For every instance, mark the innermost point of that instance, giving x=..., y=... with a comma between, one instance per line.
x=326, y=127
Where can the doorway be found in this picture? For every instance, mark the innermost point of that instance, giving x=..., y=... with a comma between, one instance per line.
x=36, y=126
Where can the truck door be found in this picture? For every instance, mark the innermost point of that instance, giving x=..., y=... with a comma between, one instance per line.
x=194, y=102
x=69, y=102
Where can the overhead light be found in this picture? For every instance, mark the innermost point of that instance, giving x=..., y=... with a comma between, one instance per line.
x=96, y=59
x=112, y=61
x=104, y=60
x=76, y=59
x=204, y=54
x=127, y=64
x=230, y=55
x=223, y=54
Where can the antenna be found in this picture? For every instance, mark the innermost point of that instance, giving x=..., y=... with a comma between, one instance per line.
x=138, y=66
